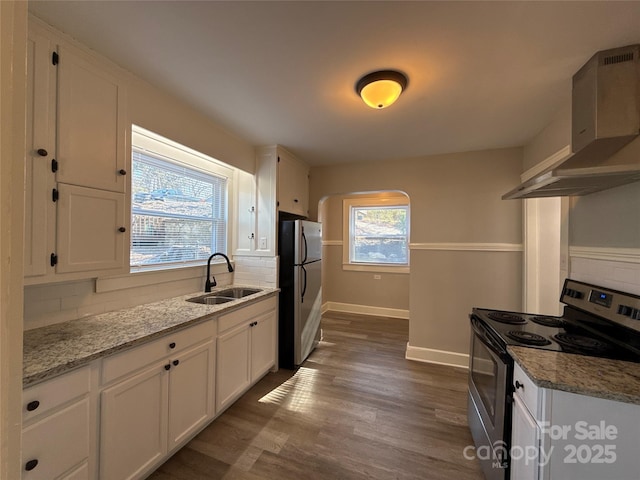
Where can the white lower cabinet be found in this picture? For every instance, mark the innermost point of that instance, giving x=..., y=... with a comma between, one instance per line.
x=56, y=434
x=122, y=416
x=263, y=344
x=134, y=424
x=233, y=365
x=246, y=349
x=525, y=443
x=191, y=389
x=563, y=435
x=146, y=414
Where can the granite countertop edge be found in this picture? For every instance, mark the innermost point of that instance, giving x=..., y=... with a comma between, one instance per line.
x=56, y=349
x=594, y=377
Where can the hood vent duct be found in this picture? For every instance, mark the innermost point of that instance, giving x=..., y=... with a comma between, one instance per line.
x=605, y=118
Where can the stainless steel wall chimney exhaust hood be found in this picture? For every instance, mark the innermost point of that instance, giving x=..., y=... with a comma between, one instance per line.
x=605, y=117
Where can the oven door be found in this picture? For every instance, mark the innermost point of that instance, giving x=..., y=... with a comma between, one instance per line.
x=489, y=410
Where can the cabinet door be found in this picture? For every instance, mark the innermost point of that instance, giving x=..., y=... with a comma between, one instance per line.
x=88, y=234
x=233, y=375
x=39, y=178
x=133, y=423
x=263, y=345
x=524, y=438
x=91, y=124
x=293, y=185
x=191, y=390
x=246, y=216
x=57, y=443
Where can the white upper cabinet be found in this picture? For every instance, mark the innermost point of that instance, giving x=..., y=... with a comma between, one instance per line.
x=293, y=184
x=41, y=147
x=245, y=233
x=92, y=234
x=76, y=218
x=91, y=131
x=280, y=184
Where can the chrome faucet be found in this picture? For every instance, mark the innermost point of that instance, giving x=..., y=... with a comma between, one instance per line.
x=208, y=284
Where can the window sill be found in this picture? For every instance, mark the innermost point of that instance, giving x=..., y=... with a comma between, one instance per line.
x=375, y=267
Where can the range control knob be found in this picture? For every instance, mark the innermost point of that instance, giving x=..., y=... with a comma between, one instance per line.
x=570, y=292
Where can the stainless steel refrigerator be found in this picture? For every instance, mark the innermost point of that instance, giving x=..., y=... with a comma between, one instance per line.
x=300, y=277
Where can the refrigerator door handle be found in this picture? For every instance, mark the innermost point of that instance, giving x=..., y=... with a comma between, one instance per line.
x=306, y=247
x=304, y=283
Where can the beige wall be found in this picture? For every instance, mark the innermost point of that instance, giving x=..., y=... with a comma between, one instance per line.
x=552, y=138
x=356, y=288
x=459, y=226
x=606, y=219
x=161, y=113
x=610, y=218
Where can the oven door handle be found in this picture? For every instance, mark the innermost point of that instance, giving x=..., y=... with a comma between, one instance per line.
x=487, y=339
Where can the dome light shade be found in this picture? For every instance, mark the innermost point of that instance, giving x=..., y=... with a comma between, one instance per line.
x=381, y=89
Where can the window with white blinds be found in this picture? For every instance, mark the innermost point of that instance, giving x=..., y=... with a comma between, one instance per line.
x=178, y=211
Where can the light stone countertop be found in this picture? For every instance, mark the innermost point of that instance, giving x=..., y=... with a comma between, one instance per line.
x=52, y=350
x=594, y=377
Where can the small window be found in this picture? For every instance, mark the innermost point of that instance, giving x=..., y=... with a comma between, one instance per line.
x=178, y=204
x=377, y=233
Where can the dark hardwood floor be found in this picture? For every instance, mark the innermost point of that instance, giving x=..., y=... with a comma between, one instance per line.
x=356, y=409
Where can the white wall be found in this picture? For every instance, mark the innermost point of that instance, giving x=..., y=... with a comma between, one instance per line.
x=13, y=36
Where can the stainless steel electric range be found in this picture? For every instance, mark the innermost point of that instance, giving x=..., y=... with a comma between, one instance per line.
x=596, y=321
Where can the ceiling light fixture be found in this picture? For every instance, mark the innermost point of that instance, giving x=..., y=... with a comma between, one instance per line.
x=381, y=89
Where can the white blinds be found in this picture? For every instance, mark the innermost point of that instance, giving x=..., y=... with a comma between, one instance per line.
x=179, y=214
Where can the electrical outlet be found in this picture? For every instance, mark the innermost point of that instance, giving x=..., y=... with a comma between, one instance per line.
x=377, y=277
x=263, y=243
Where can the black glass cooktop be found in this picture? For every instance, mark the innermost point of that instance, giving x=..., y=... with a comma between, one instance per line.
x=560, y=334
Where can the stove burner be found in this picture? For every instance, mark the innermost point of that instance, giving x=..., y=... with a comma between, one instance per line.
x=580, y=343
x=528, y=338
x=548, y=321
x=504, y=317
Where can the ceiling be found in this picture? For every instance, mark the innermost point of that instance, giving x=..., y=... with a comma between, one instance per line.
x=481, y=74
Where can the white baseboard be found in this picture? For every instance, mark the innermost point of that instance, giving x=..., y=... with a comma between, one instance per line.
x=365, y=310
x=440, y=357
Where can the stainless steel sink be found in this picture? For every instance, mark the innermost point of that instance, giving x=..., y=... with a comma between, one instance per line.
x=210, y=299
x=238, y=292
x=224, y=296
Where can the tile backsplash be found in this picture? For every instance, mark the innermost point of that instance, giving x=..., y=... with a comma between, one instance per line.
x=256, y=271
x=55, y=303
x=623, y=276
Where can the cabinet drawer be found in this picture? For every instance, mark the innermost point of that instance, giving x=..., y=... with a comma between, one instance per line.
x=45, y=396
x=133, y=359
x=236, y=318
x=57, y=443
x=528, y=392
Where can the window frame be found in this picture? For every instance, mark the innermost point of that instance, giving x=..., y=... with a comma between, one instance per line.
x=348, y=204
x=163, y=149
